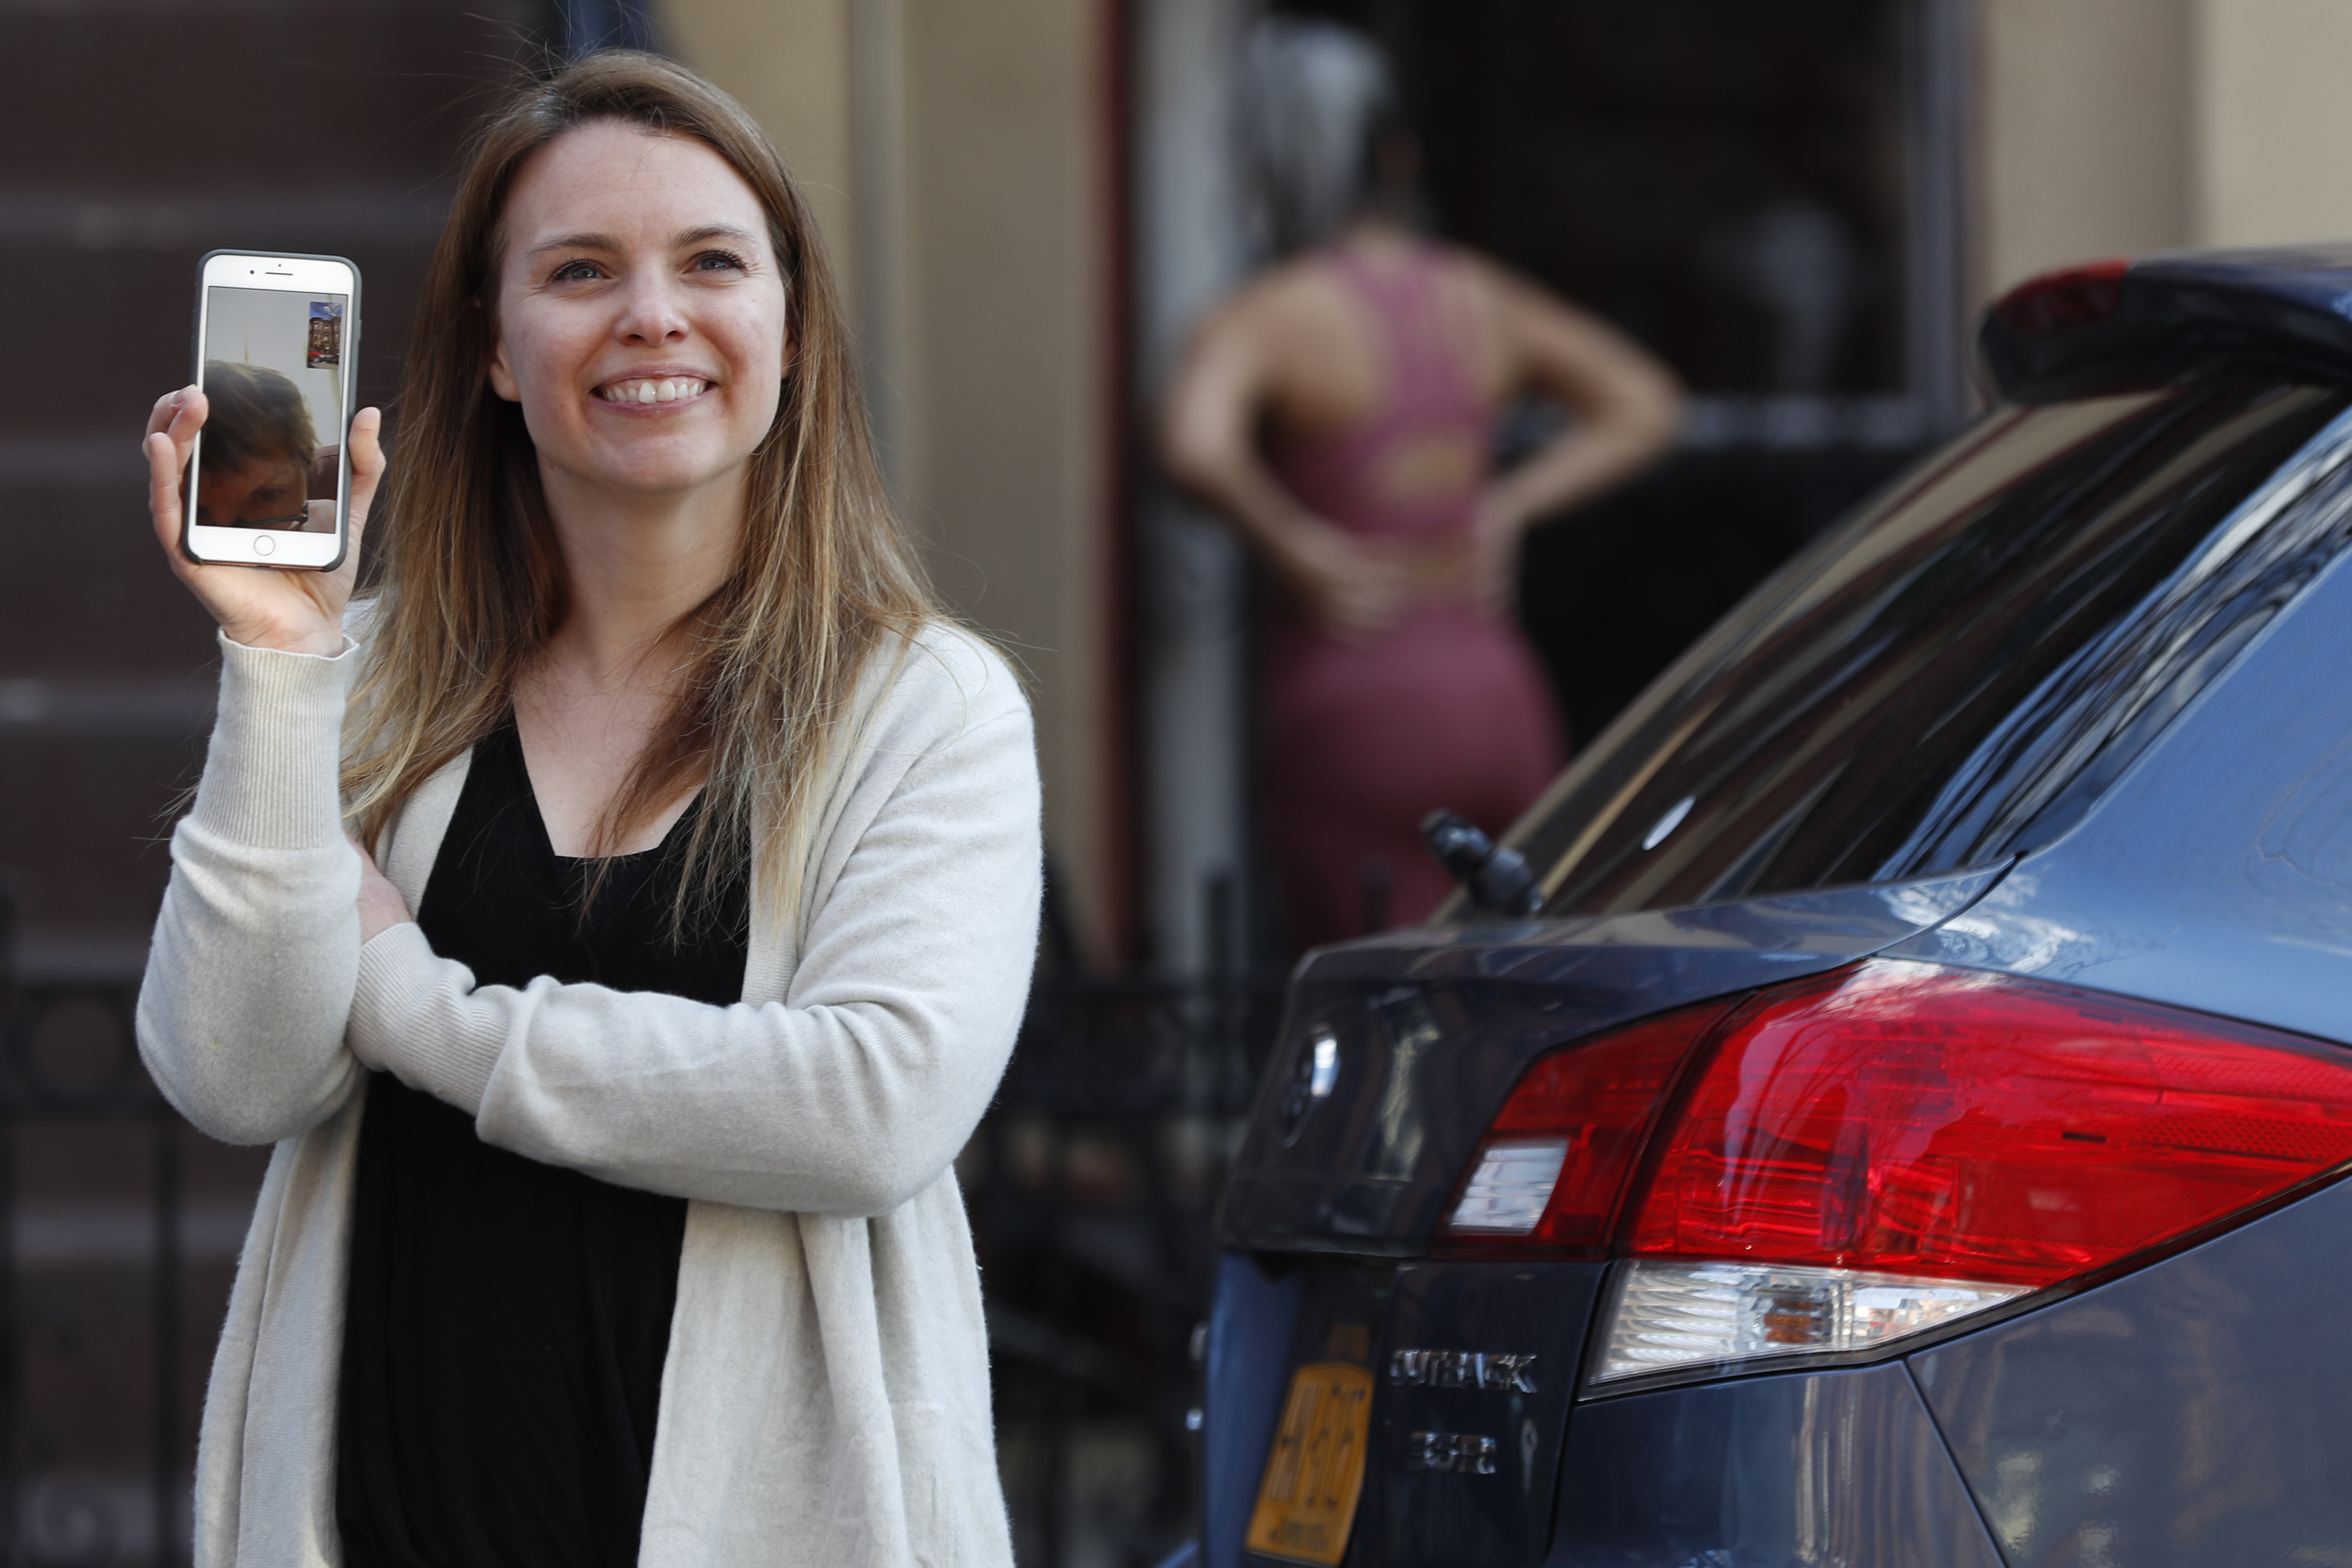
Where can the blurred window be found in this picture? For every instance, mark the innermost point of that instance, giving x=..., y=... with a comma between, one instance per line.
x=1955, y=674
x=1735, y=184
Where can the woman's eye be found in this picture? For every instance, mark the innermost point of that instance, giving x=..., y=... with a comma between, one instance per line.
x=718, y=260
x=575, y=272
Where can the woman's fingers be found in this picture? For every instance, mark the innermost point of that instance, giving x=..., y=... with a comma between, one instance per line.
x=1360, y=603
x=381, y=905
x=366, y=442
x=163, y=490
x=171, y=435
x=1355, y=593
x=1493, y=572
x=190, y=408
x=160, y=416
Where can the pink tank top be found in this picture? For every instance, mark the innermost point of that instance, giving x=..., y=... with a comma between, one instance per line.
x=1414, y=467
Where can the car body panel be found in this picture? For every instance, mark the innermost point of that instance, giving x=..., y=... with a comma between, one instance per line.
x=1435, y=1025
x=1765, y=1471
x=2191, y=1413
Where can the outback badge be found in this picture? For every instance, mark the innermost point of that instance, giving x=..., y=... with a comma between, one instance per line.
x=1464, y=1369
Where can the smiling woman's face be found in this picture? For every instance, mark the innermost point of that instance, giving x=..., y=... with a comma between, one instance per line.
x=641, y=313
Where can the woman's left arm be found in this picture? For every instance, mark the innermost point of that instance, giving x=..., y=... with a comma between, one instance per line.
x=1627, y=407
x=850, y=1097
x=1627, y=404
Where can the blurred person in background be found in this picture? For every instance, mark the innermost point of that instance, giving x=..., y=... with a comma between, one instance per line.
x=1342, y=411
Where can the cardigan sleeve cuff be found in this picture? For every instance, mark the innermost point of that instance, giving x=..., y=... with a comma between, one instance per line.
x=271, y=777
x=409, y=1018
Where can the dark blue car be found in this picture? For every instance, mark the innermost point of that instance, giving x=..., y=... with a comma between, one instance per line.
x=1907, y=1129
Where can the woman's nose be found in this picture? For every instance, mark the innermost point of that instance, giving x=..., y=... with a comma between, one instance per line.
x=653, y=312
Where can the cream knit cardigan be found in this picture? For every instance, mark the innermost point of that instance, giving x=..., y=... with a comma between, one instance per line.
x=825, y=1398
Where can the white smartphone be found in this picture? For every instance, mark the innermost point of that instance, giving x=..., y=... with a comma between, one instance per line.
x=278, y=341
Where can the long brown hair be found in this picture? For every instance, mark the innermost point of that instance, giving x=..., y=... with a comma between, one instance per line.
x=471, y=586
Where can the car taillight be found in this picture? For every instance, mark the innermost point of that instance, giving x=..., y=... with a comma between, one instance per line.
x=1971, y=1126
x=1867, y=1154
x=1557, y=1156
x=1672, y=1316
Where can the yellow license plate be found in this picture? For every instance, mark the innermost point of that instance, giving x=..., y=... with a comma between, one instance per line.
x=1313, y=1477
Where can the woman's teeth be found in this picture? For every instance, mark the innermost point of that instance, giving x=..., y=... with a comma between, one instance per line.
x=669, y=391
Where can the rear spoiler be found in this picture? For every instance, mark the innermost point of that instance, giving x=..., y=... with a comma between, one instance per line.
x=2113, y=325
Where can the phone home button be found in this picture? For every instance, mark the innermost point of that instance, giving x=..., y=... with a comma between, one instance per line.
x=264, y=545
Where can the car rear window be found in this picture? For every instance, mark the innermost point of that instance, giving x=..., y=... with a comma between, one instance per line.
x=1953, y=675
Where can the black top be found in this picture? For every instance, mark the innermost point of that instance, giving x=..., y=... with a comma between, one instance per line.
x=502, y=1352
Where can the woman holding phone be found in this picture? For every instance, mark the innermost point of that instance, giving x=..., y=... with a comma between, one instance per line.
x=618, y=919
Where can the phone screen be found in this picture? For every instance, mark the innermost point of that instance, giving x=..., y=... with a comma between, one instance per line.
x=271, y=455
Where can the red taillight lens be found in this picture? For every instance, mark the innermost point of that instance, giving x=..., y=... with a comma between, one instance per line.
x=1555, y=1162
x=1944, y=1124
x=1906, y=1119
x=1894, y=1148
x=2057, y=303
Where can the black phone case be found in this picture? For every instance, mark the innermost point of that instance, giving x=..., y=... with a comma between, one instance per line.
x=196, y=371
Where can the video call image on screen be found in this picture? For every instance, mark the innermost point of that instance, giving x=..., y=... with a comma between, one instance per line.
x=273, y=440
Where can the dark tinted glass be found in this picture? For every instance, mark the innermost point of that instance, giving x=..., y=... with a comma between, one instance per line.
x=1956, y=673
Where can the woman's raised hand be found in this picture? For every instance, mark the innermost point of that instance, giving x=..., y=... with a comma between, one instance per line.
x=294, y=612
x=1491, y=566
x=1353, y=592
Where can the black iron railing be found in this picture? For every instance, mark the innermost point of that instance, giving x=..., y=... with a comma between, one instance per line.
x=1092, y=1186
x=79, y=1484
